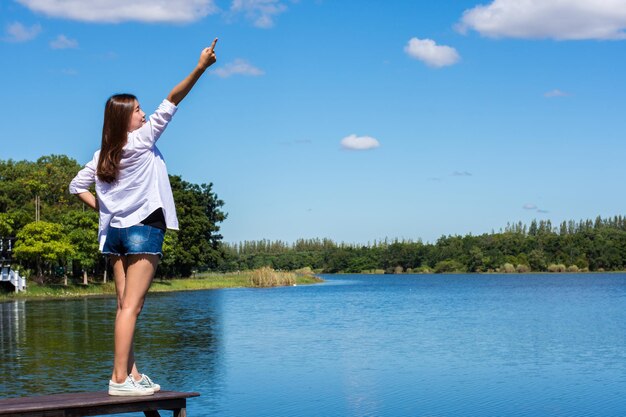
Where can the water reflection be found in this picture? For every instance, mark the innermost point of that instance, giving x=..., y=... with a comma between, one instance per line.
x=67, y=345
x=12, y=340
x=182, y=337
x=12, y=325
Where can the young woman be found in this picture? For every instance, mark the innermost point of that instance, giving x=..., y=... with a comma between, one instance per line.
x=135, y=202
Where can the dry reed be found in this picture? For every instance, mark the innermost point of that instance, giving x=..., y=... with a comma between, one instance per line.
x=268, y=277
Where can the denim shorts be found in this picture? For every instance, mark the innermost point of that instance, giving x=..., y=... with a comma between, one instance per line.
x=134, y=240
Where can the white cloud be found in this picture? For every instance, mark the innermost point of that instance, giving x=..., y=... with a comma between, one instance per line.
x=63, y=42
x=553, y=19
x=555, y=93
x=433, y=55
x=530, y=206
x=260, y=12
x=114, y=11
x=17, y=32
x=238, y=67
x=359, y=143
x=462, y=174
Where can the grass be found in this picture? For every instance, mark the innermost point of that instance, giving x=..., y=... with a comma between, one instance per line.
x=59, y=291
x=199, y=282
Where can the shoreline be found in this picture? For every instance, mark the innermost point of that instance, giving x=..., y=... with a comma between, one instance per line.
x=216, y=281
x=482, y=273
x=197, y=283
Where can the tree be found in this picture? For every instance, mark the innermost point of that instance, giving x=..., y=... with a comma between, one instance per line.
x=197, y=244
x=449, y=265
x=476, y=260
x=537, y=260
x=82, y=230
x=43, y=244
x=6, y=225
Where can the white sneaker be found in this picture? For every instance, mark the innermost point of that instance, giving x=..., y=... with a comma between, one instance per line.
x=129, y=388
x=145, y=381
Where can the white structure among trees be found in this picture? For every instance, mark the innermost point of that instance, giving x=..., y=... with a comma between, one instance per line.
x=6, y=273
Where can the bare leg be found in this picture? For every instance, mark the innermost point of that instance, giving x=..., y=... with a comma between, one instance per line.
x=119, y=264
x=139, y=272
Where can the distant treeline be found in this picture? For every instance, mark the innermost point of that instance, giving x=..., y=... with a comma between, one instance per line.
x=588, y=245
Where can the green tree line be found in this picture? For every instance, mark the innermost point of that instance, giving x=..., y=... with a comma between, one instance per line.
x=587, y=245
x=56, y=234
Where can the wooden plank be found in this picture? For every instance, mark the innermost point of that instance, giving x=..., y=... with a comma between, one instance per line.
x=125, y=408
x=71, y=401
x=100, y=397
x=56, y=413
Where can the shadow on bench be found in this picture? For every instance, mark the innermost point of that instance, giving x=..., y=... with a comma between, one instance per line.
x=95, y=404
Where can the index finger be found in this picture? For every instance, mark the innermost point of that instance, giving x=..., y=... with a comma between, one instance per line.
x=212, y=47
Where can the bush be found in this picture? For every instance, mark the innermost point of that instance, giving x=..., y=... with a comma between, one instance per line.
x=573, y=268
x=373, y=271
x=522, y=269
x=398, y=270
x=507, y=268
x=267, y=277
x=557, y=268
x=449, y=266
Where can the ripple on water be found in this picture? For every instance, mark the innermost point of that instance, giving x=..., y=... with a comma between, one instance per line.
x=361, y=345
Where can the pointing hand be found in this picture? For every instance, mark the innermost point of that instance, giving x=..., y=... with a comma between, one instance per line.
x=207, y=56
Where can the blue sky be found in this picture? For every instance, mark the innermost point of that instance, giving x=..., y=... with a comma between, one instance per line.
x=349, y=120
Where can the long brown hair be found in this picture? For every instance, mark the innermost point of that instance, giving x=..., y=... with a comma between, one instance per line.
x=117, y=115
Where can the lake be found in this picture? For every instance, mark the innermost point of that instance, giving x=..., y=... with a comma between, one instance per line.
x=355, y=345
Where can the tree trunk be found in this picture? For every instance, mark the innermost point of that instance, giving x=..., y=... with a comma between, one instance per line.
x=39, y=270
x=85, y=277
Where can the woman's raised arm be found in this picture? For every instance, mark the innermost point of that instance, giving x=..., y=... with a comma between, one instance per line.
x=207, y=58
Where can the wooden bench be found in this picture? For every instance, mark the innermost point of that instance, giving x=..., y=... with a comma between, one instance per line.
x=95, y=404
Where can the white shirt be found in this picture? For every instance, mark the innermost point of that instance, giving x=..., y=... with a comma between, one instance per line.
x=142, y=185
